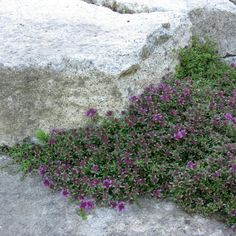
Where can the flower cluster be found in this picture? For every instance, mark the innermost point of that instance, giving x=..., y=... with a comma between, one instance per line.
x=230, y=117
x=120, y=206
x=87, y=204
x=177, y=139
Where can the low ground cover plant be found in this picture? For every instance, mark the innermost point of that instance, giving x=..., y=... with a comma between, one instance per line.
x=176, y=140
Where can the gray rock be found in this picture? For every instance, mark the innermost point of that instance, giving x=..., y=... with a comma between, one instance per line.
x=233, y=1
x=28, y=209
x=57, y=59
x=139, y=6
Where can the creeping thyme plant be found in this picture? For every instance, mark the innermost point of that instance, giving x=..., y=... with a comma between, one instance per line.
x=176, y=140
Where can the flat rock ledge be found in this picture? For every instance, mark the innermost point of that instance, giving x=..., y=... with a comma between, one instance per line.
x=28, y=209
x=59, y=58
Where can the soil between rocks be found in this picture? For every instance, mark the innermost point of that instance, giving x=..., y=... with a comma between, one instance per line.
x=29, y=209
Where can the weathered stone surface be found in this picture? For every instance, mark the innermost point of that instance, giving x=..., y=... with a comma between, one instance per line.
x=28, y=209
x=59, y=58
x=233, y=1
x=139, y=6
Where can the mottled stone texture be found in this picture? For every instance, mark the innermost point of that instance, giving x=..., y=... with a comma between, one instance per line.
x=233, y=1
x=58, y=58
x=29, y=209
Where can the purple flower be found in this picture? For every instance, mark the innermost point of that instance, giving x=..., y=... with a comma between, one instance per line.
x=229, y=155
x=220, y=94
x=173, y=112
x=186, y=92
x=191, y=165
x=228, y=116
x=157, y=193
x=120, y=207
x=157, y=117
x=42, y=170
x=47, y=182
x=51, y=141
x=216, y=174
x=233, y=65
x=109, y=113
x=95, y=168
x=233, y=168
x=234, y=120
x=65, y=193
x=165, y=97
x=86, y=204
x=107, y=183
x=134, y=98
x=177, y=82
x=180, y=134
x=143, y=111
x=234, y=93
x=128, y=161
x=94, y=182
x=105, y=139
x=149, y=98
x=113, y=204
x=230, y=147
x=211, y=106
x=54, y=131
x=91, y=112
x=233, y=212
